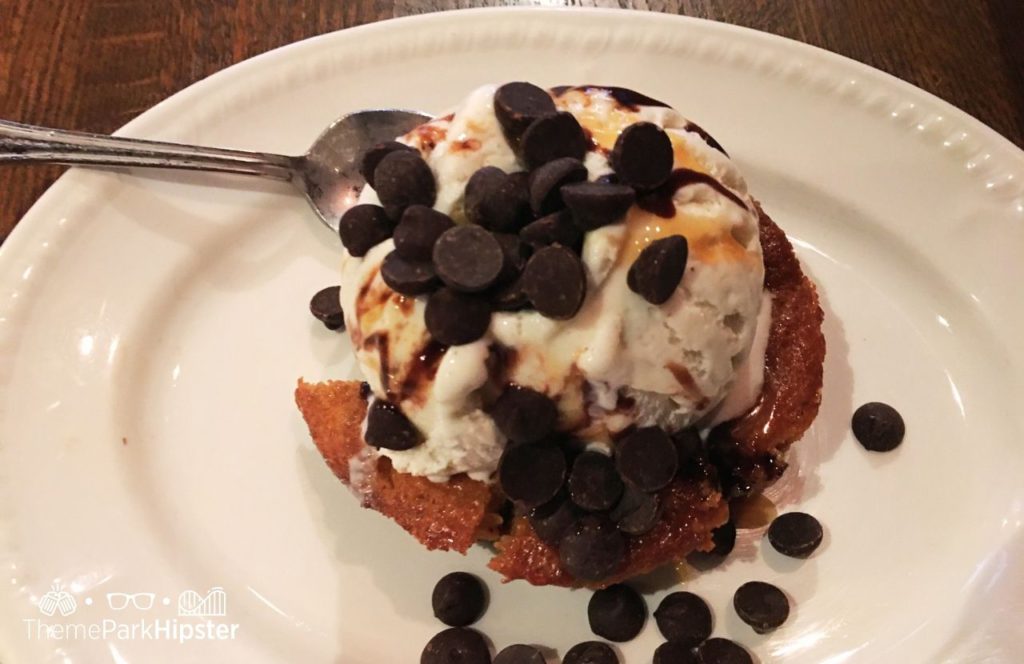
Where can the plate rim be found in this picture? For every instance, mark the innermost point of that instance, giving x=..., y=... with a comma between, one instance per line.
x=33, y=226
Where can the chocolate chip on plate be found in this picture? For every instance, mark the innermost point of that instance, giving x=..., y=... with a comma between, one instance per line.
x=373, y=156
x=458, y=599
x=362, y=227
x=647, y=459
x=594, y=204
x=517, y=105
x=657, y=271
x=326, y=308
x=724, y=539
x=547, y=181
x=673, y=652
x=519, y=654
x=636, y=512
x=761, y=605
x=514, y=254
x=497, y=200
x=531, y=475
x=456, y=645
x=408, y=277
x=555, y=228
x=468, y=258
x=592, y=549
x=642, y=156
x=388, y=427
x=683, y=617
x=616, y=613
x=403, y=178
x=455, y=318
x=722, y=651
x=878, y=427
x=553, y=137
x=591, y=652
x=554, y=518
x=524, y=415
x=594, y=484
x=795, y=534
x=556, y=282
x=418, y=230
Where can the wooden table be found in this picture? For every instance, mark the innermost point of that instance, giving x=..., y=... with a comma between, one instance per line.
x=95, y=64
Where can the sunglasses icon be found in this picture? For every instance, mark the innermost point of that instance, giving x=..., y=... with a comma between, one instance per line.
x=120, y=601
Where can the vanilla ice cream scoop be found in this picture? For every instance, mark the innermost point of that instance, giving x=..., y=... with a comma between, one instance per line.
x=620, y=360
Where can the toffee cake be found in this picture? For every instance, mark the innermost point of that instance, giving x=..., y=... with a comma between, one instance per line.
x=580, y=336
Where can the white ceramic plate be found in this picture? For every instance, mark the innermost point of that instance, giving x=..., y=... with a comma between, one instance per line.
x=151, y=332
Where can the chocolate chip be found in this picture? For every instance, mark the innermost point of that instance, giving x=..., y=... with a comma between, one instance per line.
x=362, y=227
x=795, y=534
x=878, y=427
x=724, y=539
x=514, y=254
x=517, y=105
x=594, y=204
x=519, y=654
x=547, y=181
x=761, y=605
x=408, y=277
x=616, y=613
x=326, y=308
x=531, y=475
x=657, y=271
x=458, y=599
x=468, y=258
x=647, y=459
x=594, y=484
x=524, y=415
x=496, y=200
x=688, y=444
x=418, y=230
x=555, y=281
x=456, y=318
x=722, y=651
x=510, y=297
x=373, y=156
x=553, y=137
x=402, y=179
x=456, y=645
x=636, y=512
x=683, y=617
x=555, y=228
x=554, y=518
x=388, y=427
x=591, y=652
x=673, y=652
x=592, y=549
x=642, y=156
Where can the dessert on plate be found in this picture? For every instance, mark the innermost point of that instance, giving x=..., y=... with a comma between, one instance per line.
x=580, y=335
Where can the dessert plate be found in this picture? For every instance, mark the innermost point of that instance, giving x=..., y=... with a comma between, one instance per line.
x=161, y=501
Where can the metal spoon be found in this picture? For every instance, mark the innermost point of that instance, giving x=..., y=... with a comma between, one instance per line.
x=327, y=175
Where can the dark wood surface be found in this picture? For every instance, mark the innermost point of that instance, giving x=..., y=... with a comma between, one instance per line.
x=95, y=64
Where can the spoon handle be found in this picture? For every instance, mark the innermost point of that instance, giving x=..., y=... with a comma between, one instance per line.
x=28, y=143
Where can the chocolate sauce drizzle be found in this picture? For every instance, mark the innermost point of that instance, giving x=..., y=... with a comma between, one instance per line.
x=695, y=128
x=660, y=201
x=422, y=370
